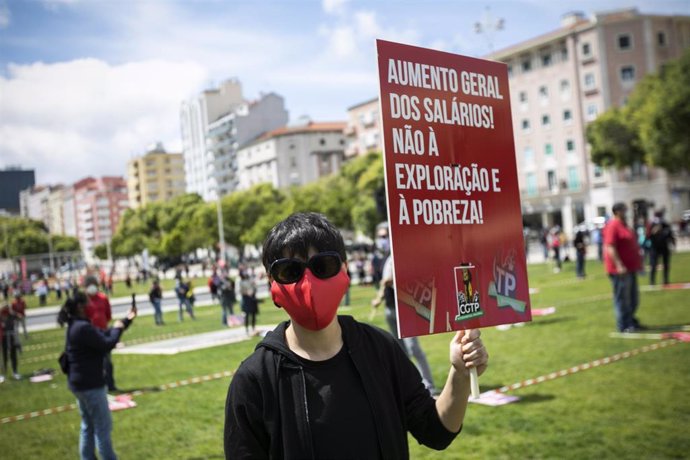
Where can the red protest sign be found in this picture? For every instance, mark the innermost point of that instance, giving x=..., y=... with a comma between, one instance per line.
x=452, y=191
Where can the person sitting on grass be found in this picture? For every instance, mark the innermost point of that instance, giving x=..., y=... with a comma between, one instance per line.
x=327, y=386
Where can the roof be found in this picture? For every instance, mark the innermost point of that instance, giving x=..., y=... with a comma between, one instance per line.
x=540, y=40
x=363, y=103
x=311, y=127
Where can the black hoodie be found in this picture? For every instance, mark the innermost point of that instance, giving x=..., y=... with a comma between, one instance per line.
x=266, y=408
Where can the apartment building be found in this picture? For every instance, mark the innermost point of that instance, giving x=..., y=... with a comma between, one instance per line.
x=155, y=176
x=195, y=116
x=246, y=122
x=214, y=125
x=33, y=203
x=292, y=155
x=98, y=206
x=363, y=132
x=560, y=82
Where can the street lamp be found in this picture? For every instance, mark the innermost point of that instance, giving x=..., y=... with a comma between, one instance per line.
x=221, y=231
x=488, y=26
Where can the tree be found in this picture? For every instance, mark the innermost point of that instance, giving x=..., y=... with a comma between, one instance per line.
x=101, y=251
x=614, y=141
x=653, y=126
x=663, y=117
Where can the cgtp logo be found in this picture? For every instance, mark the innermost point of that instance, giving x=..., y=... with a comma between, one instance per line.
x=467, y=294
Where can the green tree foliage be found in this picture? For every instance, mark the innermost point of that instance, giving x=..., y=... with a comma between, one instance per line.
x=652, y=127
x=101, y=251
x=664, y=115
x=614, y=142
x=183, y=224
x=63, y=243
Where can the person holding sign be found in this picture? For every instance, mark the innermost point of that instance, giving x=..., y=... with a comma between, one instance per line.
x=319, y=374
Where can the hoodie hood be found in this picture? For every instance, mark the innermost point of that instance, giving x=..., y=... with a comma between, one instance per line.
x=275, y=339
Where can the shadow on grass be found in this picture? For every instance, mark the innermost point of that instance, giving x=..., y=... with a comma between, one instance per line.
x=122, y=391
x=536, y=398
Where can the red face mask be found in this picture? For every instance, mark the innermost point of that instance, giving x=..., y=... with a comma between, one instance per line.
x=311, y=302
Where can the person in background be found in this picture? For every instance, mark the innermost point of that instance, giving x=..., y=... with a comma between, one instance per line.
x=410, y=345
x=42, y=292
x=181, y=289
x=661, y=238
x=580, y=243
x=622, y=262
x=319, y=374
x=156, y=298
x=99, y=312
x=86, y=347
x=555, y=242
x=250, y=305
x=191, y=298
x=227, y=299
x=19, y=308
x=9, y=333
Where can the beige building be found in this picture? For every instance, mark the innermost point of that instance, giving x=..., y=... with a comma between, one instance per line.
x=155, y=176
x=292, y=155
x=363, y=133
x=561, y=81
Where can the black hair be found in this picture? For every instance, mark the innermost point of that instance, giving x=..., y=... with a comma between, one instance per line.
x=70, y=309
x=296, y=234
x=620, y=206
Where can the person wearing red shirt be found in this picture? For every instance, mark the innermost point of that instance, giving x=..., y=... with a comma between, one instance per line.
x=622, y=262
x=99, y=313
x=19, y=307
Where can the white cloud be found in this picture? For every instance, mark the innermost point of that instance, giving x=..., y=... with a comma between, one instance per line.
x=86, y=117
x=333, y=6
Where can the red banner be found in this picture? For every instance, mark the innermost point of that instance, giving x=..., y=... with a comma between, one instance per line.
x=452, y=191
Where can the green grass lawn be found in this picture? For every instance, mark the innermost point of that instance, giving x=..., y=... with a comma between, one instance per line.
x=635, y=408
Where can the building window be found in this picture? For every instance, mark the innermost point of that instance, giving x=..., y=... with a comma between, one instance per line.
x=526, y=64
x=545, y=120
x=293, y=162
x=564, y=53
x=528, y=154
x=510, y=70
x=548, y=148
x=624, y=42
x=523, y=96
x=661, y=38
x=546, y=59
x=531, y=184
x=592, y=112
x=567, y=116
x=589, y=81
x=322, y=141
x=570, y=145
x=598, y=172
x=573, y=179
x=525, y=124
x=551, y=180
x=628, y=73
x=543, y=92
x=586, y=50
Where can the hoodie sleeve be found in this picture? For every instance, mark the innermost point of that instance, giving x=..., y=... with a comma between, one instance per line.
x=420, y=407
x=245, y=436
x=94, y=338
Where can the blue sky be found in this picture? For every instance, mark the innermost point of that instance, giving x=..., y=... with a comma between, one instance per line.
x=86, y=85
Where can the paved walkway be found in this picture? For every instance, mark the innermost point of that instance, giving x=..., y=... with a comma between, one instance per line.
x=192, y=342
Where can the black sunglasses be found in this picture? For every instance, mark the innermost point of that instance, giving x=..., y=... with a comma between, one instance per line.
x=323, y=265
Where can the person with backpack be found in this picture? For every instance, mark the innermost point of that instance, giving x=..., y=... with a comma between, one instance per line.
x=156, y=297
